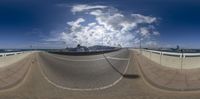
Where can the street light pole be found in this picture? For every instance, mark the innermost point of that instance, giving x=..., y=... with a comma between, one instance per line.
x=65, y=44
x=181, y=59
x=102, y=39
x=140, y=46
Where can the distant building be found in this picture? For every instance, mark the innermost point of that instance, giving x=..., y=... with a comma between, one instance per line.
x=100, y=48
x=80, y=48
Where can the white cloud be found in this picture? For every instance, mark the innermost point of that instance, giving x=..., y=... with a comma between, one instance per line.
x=156, y=33
x=143, y=19
x=109, y=27
x=144, y=31
x=84, y=7
x=75, y=25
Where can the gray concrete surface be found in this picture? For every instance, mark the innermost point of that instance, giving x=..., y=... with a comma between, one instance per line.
x=88, y=74
x=176, y=62
x=9, y=60
x=169, y=78
x=132, y=86
x=12, y=74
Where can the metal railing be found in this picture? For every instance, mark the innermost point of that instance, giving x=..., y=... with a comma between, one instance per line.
x=174, y=53
x=10, y=54
x=178, y=60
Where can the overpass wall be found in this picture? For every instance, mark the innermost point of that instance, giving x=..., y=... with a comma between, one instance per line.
x=172, y=59
x=10, y=58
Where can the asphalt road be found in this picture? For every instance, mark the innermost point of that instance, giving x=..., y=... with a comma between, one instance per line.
x=87, y=77
x=83, y=73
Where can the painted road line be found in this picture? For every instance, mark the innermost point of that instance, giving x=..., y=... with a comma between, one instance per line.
x=68, y=59
x=86, y=60
x=85, y=89
x=116, y=58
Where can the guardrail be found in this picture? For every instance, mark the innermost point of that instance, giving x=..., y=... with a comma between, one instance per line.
x=173, y=59
x=174, y=53
x=10, y=54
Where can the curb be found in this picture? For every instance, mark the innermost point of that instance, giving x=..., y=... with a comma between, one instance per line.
x=164, y=88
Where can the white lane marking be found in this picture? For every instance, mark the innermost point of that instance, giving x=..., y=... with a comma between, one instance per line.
x=86, y=60
x=69, y=59
x=116, y=58
x=86, y=89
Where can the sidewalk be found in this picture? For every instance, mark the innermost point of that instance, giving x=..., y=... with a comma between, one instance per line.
x=168, y=78
x=11, y=75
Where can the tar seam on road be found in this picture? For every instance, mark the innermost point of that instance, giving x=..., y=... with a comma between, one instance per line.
x=79, y=89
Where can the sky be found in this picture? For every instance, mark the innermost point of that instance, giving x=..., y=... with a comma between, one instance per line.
x=64, y=23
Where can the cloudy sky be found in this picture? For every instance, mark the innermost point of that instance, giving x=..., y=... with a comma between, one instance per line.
x=61, y=23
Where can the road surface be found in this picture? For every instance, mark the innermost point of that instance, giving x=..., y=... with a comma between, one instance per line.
x=110, y=76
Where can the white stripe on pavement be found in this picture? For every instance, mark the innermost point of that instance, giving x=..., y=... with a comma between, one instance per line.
x=86, y=89
x=86, y=60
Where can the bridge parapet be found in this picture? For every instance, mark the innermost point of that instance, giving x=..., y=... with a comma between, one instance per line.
x=10, y=53
x=12, y=57
x=173, y=59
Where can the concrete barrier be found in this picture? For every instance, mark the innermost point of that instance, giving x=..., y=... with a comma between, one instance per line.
x=10, y=53
x=10, y=58
x=83, y=53
x=173, y=59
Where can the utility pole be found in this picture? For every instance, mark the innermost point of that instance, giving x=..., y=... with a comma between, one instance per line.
x=181, y=59
x=102, y=39
x=140, y=46
x=65, y=44
x=102, y=42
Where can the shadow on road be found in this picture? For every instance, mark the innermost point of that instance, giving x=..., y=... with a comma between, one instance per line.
x=127, y=76
x=131, y=76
